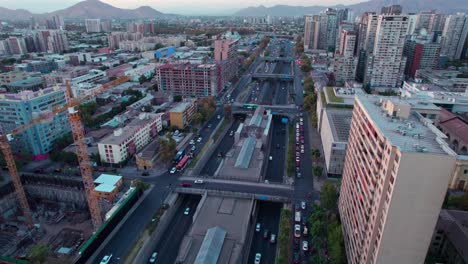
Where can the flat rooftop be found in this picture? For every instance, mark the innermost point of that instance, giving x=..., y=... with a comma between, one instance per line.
x=121, y=134
x=180, y=107
x=340, y=123
x=230, y=214
x=409, y=135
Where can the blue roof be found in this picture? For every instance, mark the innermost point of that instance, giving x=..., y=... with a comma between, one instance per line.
x=211, y=246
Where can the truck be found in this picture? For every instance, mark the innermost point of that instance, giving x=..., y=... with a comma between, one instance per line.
x=297, y=217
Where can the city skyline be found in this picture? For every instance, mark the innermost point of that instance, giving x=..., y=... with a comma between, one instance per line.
x=183, y=7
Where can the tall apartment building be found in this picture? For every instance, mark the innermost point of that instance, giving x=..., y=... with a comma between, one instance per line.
x=386, y=65
x=125, y=142
x=327, y=30
x=115, y=38
x=344, y=65
x=311, y=31
x=454, y=35
x=19, y=109
x=188, y=80
x=394, y=181
x=421, y=52
x=391, y=10
x=424, y=20
x=93, y=25
x=106, y=26
x=57, y=42
x=367, y=30
x=225, y=55
x=55, y=22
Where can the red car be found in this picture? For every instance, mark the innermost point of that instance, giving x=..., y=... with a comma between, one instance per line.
x=185, y=184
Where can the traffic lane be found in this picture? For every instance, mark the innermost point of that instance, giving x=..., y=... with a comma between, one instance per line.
x=275, y=168
x=224, y=146
x=283, y=94
x=304, y=185
x=168, y=248
x=268, y=216
x=125, y=238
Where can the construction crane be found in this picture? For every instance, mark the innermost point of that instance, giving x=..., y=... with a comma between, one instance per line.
x=77, y=130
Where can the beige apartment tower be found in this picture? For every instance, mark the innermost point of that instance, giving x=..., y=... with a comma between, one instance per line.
x=395, y=176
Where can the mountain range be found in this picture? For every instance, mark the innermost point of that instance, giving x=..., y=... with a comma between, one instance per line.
x=86, y=9
x=442, y=6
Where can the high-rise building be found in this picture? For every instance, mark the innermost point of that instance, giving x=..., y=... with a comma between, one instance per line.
x=328, y=29
x=344, y=65
x=421, y=52
x=311, y=31
x=225, y=55
x=391, y=10
x=394, y=181
x=17, y=46
x=93, y=25
x=19, y=109
x=454, y=36
x=57, y=41
x=385, y=67
x=106, y=26
x=424, y=20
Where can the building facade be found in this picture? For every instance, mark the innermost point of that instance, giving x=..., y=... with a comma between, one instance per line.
x=344, y=66
x=125, y=142
x=225, y=55
x=421, y=52
x=93, y=25
x=311, y=31
x=181, y=114
x=394, y=182
x=19, y=109
x=454, y=36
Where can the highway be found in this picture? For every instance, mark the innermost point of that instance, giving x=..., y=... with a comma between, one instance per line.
x=168, y=247
x=224, y=146
x=276, y=167
x=268, y=217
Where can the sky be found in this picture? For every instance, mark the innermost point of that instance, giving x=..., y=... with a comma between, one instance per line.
x=211, y=7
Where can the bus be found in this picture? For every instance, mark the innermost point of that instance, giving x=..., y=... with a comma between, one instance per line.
x=182, y=163
x=179, y=155
x=250, y=106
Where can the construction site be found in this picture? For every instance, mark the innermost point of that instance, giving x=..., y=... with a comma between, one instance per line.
x=54, y=212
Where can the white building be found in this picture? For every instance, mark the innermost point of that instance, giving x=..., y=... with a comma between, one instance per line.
x=344, y=65
x=93, y=25
x=454, y=35
x=126, y=141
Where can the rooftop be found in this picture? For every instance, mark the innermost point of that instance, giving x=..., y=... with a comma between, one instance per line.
x=121, y=134
x=340, y=123
x=243, y=160
x=107, y=182
x=180, y=107
x=413, y=133
x=454, y=124
x=211, y=247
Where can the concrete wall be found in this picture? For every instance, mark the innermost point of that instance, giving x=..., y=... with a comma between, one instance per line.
x=69, y=196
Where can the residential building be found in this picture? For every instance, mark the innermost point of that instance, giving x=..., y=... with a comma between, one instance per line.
x=367, y=30
x=421, y=52
x=146, y=158
x=189, y=80
x=106, y=26
x=385, y=67
x=450, y=237
x=394, y=181
x=181, y=114
x=57, y=42
x=12, y=76
x=16, y=46
x=334, y=132
x=454, y=36
x=447, y=79
x=391, y=10
x=327, y=31
x=456, y=130
x=107, y=186
x=31, y=83
x=424, y=19
x=20, y=108
x=344, y=65
x=225, y=55
x=93, y=25
x=124, y=142
x=311, y=32
x=459, y=177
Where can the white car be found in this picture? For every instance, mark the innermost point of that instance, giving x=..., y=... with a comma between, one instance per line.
x=187, y=211
x=153, y=258
x=305, y=245
x=297, y=231
x=199, y=139
x=173, y=170
x=258, y=257
x=198, y=181
x=192, y=142
x=303, y=205
x=270, y=158
x=106, y=259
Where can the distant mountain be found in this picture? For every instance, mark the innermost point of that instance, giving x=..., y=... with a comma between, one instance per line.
x=86, y=9
x=442, y=6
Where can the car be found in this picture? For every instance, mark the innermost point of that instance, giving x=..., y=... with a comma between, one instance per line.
x=39, y=170
x=258, y=257
x=209, y=125
x=297, y=158
x=297, y=207
x=153, y=258
x=193, y=148
x=296, y=243
x=220, y=154
x=297, y=134
x=302, y=150
x=303, y=205
x=305, y=245
x=173, y=170
x=297, y=154
x=304, y=220
x=301, y=119
x=106, y=259
x=298, y=175
x=187, y=211
x=185, y=184
x=198, y=182
x=272, y=238
x=298, y=169
x=297, y=231
x=297, y=257
x=301, y=114
x=266, y=233
x=298, y=163
x=192, y=142
x=258, y=226
x=231, y=133
x=219, y=117
x=199, y=139
x=270, y=158
x=301, y=123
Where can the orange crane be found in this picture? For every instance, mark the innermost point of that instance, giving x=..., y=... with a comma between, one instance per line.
x=77, y=130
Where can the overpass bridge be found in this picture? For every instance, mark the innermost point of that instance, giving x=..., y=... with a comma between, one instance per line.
x=273, y=76
x=285, y=110
x=244, y=195
x=276, y=59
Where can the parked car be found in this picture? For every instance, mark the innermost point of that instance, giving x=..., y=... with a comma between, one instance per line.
x=258, y=257
x=153, y=258
x=297, y=231
x=193, y=148
x=272, y=238
x=192, y=142
x=258, y=226
x=297, y=257
x=106, y=259
x=298, y=175
x=266, y=233
x=231, y=133
x=187, y=211
x=303, y=205
x=209, y=125
x=198, y=182
x=173, y=170
x=145, y=173
x=199, y=139
x=305, y=245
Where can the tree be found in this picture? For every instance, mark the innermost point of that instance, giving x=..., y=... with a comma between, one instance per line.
x=177, y=98
x=140, y=185
x=158, y=46
x=228, y=111
x=148, y=108
x=38, y=253
x=167, y=149
x=329, y=196
x=458, y=202
x=198, y=118
x=335, y=243
x=142, y=79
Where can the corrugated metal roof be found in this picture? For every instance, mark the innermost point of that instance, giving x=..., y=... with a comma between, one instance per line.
x=211, y=246
x=243, y=160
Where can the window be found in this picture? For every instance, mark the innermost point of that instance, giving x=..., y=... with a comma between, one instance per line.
x=465, y=172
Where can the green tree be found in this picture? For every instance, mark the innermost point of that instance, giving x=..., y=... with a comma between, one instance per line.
x=167, y=149
x=38, y=253
x=177, y=98
x=142, y=79
x=317, y=170
x=329, y=196
x=198, y=118
x=458, y=202
x=335, y=243
x=140, y=185
x=158, y=46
